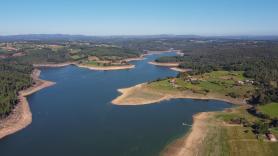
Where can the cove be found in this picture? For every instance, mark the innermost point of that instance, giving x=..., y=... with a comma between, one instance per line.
x=75, y=116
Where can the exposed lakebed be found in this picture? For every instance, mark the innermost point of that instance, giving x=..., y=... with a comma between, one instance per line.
x=75, y=116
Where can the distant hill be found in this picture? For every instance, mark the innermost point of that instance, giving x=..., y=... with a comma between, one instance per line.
x=34, y=37
x=44, y=37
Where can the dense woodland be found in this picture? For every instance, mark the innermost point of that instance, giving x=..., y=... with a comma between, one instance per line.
x=13, y=78
x=109, y=53
x=45, y=55
x=60, y=52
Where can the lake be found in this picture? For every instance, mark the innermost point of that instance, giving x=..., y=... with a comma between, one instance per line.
x=75, y=116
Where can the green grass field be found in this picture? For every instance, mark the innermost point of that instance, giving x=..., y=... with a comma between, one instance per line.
x=93, y=63
x=235, y=140
x=76, y=57
x=269, y=109
x=222, y=82
x=163, y=84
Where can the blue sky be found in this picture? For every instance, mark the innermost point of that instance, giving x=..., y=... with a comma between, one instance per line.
x=139, y=17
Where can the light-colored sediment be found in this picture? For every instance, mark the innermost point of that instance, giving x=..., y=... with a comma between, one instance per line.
x=49, y=65
x=149, y=52
x=21, y=116
x=105, y=68
x=135, y=59
x=124, y=99
x=180, y=69
x=86, y=66
x=190, y=144
x=165, y=64
x=180, y=53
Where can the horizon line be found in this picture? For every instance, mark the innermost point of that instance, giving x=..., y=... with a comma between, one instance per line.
x=91, y=35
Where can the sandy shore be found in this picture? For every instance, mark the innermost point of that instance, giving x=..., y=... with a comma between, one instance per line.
x=85, y=66
x=165, y=64
x=180, y=69
x=190, y=144
x=107, y=67
x=54, y=65
x=21, y=116
x=135, y=59
x=163, y=51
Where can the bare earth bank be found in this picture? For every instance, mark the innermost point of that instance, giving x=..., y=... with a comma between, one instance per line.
x=90, y=67
x=107, y=67
x=165, y=64
x=189, y=144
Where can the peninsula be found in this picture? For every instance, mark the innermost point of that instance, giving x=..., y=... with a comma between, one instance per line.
x=21, y=115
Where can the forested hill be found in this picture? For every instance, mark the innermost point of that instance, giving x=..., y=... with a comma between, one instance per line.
x=13, y=78
x=32, y=53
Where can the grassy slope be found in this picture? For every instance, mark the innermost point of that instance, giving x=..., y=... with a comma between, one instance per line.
x=224, y=139
x=269, y=109
x=163, y=89
x=222, y=82
x=93, y=63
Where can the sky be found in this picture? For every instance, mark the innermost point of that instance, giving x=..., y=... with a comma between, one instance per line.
x=139, y=17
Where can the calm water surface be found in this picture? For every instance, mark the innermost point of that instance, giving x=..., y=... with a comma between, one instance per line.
x=75, y=117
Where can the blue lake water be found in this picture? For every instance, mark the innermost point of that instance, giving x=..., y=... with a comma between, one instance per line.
x=75, y=117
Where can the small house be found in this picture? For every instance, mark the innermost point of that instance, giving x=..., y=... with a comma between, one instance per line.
x=173, y=81
x=249, y=81
x=93, y=58
x=240, y=82
x=271, y=137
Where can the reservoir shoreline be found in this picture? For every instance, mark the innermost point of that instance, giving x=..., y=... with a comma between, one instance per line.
x=191, y=141
x=21, y=116
x=164, y=64
x=29, y=116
